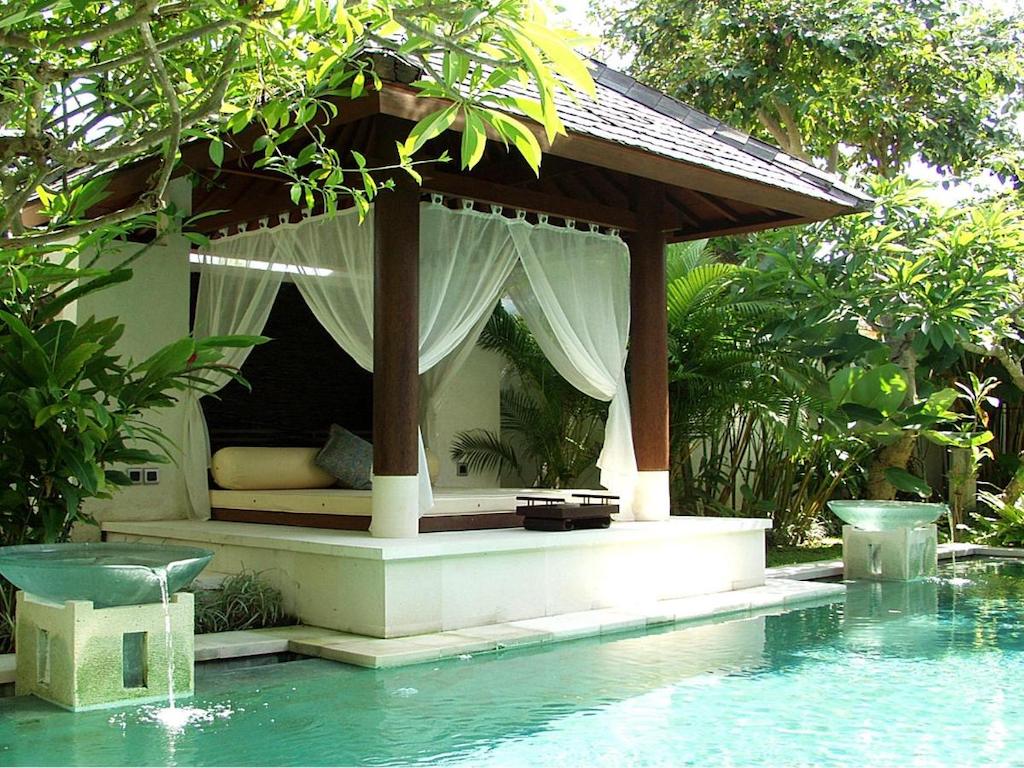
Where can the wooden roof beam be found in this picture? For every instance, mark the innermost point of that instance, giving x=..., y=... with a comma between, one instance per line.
x=683, y=236
x=529, y=200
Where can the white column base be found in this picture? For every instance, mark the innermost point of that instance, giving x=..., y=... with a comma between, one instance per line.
x=652, y=500
x=395, y=507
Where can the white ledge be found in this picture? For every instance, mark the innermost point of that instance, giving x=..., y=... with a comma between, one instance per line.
x=360, y=545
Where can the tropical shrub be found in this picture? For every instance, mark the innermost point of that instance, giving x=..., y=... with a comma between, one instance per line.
x=999, y=522
x=242, y=601
x=72, y=410
x=752, y=429
x=6, y=617
x=911, y=285
x=550, y=431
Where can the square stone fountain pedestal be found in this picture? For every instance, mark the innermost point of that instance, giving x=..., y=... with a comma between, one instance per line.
x=900, y=554
x=81, y=657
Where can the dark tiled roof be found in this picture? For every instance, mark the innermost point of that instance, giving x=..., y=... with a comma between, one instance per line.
x=627, y=112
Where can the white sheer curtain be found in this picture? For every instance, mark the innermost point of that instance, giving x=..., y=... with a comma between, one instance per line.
x=466, y=258
x=237, y=288
x=572, y=289
x=573, y=292
x=332, y=262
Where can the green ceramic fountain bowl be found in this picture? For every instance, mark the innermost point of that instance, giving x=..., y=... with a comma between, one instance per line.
x=887, y=515
x=108, y=574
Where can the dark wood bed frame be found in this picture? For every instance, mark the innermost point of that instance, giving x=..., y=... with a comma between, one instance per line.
x=435, y=524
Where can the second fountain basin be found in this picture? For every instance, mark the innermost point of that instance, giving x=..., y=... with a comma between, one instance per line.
x=871, y=515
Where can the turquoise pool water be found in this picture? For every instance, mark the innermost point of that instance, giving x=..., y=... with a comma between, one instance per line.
x=930, y=673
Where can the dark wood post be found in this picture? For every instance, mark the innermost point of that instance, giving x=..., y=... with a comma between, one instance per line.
x=648, y=365
x=396, y=361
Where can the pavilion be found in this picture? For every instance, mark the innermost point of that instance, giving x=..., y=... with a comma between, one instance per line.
x=637, y=170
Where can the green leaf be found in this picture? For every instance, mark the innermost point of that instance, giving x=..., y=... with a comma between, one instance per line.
x=882, y=388
x=231, y=341
x=64, y=298
x=72, y=361
x=563, y=58
x=429, y=127
x=958, y=439
x=43, y=415
x=172, y=358
x=521, y=137
x=908, y=483
x=216, y=150
x=474, y=139
x=940, y=402
x=858, y=412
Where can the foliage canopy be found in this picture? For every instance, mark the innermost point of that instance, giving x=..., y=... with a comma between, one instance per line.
x=870, y=83
x=86, y=87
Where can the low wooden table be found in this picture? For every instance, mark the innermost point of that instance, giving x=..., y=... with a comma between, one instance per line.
x=551, y=513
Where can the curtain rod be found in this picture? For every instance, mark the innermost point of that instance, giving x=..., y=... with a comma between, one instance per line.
x=434, y=198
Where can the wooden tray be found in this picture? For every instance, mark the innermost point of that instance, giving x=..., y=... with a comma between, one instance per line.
x=551, y=513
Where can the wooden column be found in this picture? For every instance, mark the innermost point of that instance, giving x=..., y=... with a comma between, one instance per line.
x=648, y=365
x=396, y=361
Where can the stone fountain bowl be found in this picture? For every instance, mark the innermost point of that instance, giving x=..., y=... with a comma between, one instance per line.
x=108, y=574
x=887, y=515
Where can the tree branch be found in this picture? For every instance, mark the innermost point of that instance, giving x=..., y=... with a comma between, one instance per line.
x=141, y=14
x=143, y=206
x=173, y=42
x=147, y=140
x=164, y=82
x=149, y=202
x=1010, y=364
x=773, y=127
x=796, y=141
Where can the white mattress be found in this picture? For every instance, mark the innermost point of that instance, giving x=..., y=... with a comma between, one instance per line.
x=339, y=501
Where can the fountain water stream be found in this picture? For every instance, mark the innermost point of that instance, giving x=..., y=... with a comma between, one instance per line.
x=954, y=580
x=165, y=599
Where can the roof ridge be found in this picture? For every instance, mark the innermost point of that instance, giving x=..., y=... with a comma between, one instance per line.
x=671, y=107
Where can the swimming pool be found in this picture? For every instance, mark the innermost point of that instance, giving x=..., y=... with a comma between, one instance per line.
x=927, y=673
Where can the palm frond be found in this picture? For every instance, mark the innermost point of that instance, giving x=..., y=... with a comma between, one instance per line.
x=683, y=258
x=484, y=451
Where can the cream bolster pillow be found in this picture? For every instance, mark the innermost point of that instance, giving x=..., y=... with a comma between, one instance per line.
x=268, y=469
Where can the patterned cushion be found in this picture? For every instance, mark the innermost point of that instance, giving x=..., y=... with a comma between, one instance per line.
x=348, y=457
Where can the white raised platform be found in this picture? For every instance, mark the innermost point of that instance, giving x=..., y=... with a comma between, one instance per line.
x=775, y=596
x=351, y=582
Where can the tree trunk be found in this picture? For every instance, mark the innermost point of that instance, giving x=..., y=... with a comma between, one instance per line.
x=1015, y=488
x=896, y=455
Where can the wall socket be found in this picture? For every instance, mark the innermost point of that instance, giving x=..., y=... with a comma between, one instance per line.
x=462, y=469
x=144, y=475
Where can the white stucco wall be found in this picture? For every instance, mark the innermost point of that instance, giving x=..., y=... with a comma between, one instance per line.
x=472, y=403
x=153, y=306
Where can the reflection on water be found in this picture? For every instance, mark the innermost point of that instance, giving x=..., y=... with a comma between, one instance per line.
x=865, y=683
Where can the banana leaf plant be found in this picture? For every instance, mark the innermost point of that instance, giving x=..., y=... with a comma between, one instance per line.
x=882, y=406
